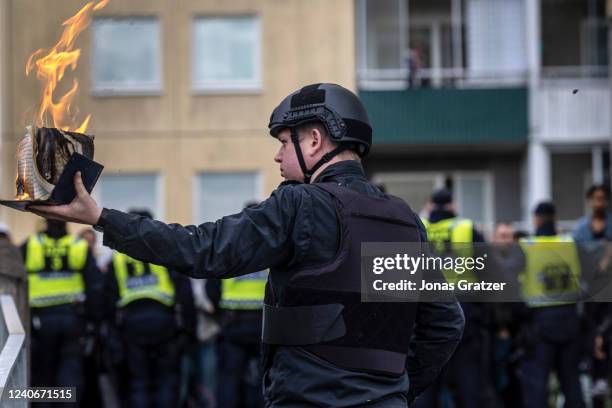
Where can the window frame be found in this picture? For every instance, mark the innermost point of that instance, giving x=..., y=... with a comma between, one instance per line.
x=159, y=208
x=488, y=219
x=134, y=88
x=204, y=87
x=197, y=196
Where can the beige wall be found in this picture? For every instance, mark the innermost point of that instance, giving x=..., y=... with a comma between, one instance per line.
x=180, y=133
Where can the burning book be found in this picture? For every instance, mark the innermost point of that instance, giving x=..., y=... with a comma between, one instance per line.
x=42, y=155
x=47, y=160
x=49, y=157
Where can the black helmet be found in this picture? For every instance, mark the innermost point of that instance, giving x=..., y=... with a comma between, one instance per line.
x=441, y=197
x=545, y=208
x=340, y=110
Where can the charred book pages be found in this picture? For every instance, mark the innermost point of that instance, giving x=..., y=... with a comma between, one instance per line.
x=42, y=155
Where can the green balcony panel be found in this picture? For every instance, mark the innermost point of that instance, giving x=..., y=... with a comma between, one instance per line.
x=448, y=116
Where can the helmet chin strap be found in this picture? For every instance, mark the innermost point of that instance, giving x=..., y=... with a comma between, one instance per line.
x=325, y=159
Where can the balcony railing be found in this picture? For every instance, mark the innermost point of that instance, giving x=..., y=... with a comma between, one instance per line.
x=402, y=78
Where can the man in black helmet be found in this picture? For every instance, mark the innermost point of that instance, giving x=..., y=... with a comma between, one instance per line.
x=323, y=346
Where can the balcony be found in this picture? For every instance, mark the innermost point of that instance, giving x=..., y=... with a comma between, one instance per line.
x=450, y=117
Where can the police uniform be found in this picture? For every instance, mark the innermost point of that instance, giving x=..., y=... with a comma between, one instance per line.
x=323, y=346
x=150, y=321
x=551, y=286
x=65, y=289
x=238, y=302
x=465, y=373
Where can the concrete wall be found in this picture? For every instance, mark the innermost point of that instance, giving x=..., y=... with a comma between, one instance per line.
x=574, y=111
x=180, y=133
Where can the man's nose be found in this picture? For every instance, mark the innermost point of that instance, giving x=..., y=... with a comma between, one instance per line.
x=277, y=157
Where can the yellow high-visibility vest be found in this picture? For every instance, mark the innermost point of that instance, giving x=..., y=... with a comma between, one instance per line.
x=452, y=236
x=55, y=270
x=138, y=280
x=244, y=292
x=552, y=271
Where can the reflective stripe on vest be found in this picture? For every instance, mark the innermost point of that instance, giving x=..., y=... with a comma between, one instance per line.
x=452, y=235
x=138, y=280
x=552, y=271
x=55, y=270
x=244, y=292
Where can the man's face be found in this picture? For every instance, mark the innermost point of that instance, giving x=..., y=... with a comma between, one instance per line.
x=287, y=158
x=503, y=234
x=599, y=201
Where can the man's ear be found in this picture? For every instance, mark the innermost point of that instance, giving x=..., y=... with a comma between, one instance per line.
x=316, y=140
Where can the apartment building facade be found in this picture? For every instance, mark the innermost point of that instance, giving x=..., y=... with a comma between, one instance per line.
x=506, y=102
x=180, y=93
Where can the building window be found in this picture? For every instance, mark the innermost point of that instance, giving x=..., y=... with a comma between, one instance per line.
x=415, y=187
x=442, y=43
x=126, y=56
x=473, y=195
x=124, y=192
x=472, y=192
x=220, y=194
x=226, y=54
x=574, y=39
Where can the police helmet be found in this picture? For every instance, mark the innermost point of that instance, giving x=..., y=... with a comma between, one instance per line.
x=339, y=109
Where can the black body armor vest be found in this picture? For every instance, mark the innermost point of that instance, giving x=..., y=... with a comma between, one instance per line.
x=319, y=307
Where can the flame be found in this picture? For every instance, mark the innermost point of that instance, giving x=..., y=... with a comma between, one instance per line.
x=51, y=67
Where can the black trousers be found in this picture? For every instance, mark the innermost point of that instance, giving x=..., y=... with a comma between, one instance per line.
x=558, y=348
x=153, y=374
x=238, y=374
x=57, y=358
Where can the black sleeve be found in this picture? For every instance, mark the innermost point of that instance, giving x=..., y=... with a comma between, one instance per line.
x=213, y=291
x=185, y=301
x=477, y=236
x=95, y=301
x=437, y=332
x=255, y=239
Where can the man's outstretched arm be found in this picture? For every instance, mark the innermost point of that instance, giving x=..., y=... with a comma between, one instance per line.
x=254, y=239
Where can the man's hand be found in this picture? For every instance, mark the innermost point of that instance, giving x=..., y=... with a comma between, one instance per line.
x=83, y=209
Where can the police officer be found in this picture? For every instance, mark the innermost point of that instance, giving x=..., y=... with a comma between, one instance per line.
x=323, y=346
x=153, y=308
x=65, y=292
x=238, y=302
x=466, y=371
x=550, y=285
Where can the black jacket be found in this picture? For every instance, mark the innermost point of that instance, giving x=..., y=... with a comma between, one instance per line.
x=296, y=226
